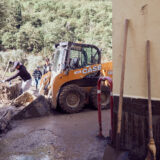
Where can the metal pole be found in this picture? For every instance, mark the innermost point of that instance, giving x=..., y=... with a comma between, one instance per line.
x=99, y=104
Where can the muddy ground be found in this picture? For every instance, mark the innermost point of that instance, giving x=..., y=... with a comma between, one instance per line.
x=56, y=137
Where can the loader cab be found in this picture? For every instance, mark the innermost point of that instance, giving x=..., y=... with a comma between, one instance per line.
x=71, y=56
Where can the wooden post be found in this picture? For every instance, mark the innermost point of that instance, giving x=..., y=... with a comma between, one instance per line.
x=119, y=119
x=151, y=144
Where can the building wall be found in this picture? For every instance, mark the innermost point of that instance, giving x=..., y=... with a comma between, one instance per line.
x=144, y=25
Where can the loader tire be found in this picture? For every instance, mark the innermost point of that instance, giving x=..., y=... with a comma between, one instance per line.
x=71, y=99
x=105, y=97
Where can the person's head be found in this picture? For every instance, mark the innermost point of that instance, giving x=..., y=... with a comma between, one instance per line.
x=16, y=65
x=38, y=67
x=11, y=63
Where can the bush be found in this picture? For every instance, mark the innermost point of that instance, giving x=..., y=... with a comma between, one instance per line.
x=3, y=13
x=30, y=39
x=9, y=40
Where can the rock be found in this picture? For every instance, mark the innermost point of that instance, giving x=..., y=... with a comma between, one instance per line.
x=28, y=107
x=37, y=108
x=6, y=114
x=24, y=99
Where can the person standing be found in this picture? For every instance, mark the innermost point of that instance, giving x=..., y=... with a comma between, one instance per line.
x=37, y=74
x=47, y=66
x=24, y=74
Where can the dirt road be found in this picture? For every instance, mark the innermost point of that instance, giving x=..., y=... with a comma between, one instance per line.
x=56, y=137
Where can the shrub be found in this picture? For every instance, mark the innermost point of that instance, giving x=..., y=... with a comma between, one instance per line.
x=30, y=39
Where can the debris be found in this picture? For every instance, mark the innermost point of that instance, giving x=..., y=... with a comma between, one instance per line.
x=37, y=108
x=6, y=114
x=32, y=107
x=9, y=92
x=24, y=99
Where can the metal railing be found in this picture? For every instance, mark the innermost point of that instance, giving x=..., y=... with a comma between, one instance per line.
x=99, y=104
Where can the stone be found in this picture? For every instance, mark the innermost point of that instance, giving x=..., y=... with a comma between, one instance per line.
x=6, y=114
x=37, y=108
x=24, y=99
x=31, y=108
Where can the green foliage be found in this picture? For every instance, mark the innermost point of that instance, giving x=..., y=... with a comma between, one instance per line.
x=3, y=13
x=14, y=17
x=9, y=40
x=3, y=16
x=30, y=39
x=36, y=25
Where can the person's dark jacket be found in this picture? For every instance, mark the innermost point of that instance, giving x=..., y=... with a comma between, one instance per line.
x=37, y=74
x=22, y=72
x=46, y=68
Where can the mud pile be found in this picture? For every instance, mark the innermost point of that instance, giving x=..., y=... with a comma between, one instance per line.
x=17, y=107
x=24, y=99
x=38, y=107
x=8, y=93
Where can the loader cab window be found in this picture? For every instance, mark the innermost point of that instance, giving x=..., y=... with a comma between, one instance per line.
x=81, y=56
x=52, y=62
x=56, y=60
x=77, y=59
x=92, y=55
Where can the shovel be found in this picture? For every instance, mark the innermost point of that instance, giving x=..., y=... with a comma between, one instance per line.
x=6, y=70
x=110, y=153
x=151, y=155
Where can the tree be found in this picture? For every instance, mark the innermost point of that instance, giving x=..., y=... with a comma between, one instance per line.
x=9, y=40
x=15, y=15
x=3, y=13
x=30, y=39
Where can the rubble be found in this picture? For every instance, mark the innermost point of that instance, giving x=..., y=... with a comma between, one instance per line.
x=23, y=99
x=37, y=108
x=6, y=114
x=9, y=92
x=14, y=107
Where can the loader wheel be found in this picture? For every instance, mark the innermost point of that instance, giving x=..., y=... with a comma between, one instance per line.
x=71, y=99
x=105, y=97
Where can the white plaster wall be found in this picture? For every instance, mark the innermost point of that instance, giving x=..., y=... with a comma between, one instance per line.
x=144, y=16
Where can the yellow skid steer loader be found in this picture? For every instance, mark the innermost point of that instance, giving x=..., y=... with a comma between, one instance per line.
x=72, y=81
